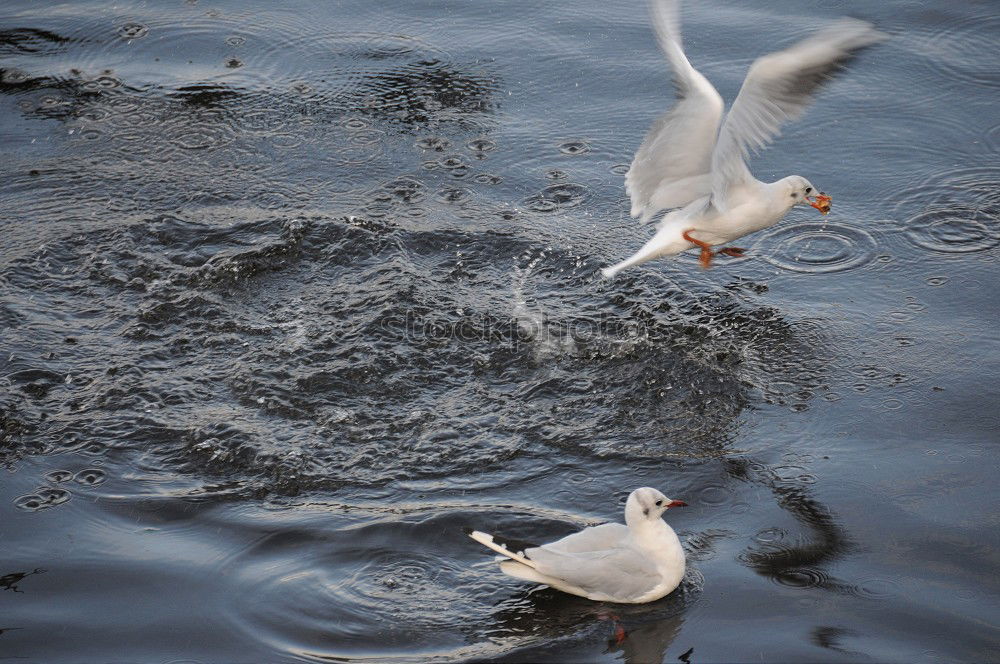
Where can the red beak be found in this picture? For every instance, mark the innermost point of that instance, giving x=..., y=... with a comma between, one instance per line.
x=677, y=503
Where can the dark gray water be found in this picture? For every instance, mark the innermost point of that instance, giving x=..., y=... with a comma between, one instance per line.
x=290, y=293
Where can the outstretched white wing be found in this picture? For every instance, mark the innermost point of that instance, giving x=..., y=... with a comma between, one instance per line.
x=777, y=89
x=672, y=166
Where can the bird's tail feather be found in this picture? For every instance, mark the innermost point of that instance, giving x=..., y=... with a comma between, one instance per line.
x=641, y=256
x=610, y=271
x=525, y=573
x=503, y=547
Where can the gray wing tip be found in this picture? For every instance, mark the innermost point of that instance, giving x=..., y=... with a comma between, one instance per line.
x=852, y=33
x=666, y=18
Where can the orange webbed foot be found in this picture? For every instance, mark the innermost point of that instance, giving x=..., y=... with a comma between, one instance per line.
x=735, y=252
x=705, y=258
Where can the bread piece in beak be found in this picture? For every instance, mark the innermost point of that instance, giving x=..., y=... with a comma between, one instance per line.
x=823, y=203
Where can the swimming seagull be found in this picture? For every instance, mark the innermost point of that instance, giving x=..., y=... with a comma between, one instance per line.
x=688, y=161
x=639, y=562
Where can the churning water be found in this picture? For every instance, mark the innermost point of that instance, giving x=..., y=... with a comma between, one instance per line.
x=292, y=292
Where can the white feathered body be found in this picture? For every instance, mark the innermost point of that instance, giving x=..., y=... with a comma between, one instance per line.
x=662, y=559
x=752, y=208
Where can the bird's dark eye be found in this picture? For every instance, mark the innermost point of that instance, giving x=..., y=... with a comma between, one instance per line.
x=808, y=189
x=659, y=502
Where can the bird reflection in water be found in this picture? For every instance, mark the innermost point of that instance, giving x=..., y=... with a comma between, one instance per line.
x=10, y=581
x=829, y=637
x=800, y=562
x=547, y=616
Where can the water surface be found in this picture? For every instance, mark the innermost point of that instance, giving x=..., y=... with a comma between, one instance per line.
x=290, y=295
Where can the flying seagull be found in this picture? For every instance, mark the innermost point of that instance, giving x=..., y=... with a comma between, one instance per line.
x=694, y=161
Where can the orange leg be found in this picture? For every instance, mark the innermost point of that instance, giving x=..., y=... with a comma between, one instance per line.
x=735, y=252
x=617, y=630
x=705, y=259
x=619, y=634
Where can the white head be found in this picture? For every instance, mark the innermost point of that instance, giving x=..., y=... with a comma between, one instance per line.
x=799, y=191
x=647, y=505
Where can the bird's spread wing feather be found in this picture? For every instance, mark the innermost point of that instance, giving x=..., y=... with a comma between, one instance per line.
x=671, y=168
x=777, y=89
